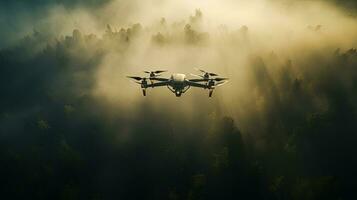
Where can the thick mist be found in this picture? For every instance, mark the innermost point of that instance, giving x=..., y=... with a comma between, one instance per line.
x=230, y=41
x=72, y=126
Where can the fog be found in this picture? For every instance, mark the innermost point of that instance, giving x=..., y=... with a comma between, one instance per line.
x=283, y=127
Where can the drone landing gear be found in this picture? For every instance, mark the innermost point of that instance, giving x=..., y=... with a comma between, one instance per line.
x=144, y=92
x=210, y=92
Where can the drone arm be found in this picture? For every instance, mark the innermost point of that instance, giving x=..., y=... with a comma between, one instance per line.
x=197, y=80
x=194, y=84
x=159, y=79
x=158, y=84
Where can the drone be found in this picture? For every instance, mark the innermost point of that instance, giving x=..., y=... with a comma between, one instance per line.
x=178, y=83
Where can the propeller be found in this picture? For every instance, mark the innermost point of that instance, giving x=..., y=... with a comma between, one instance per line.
x=138, y=78
x=211, y=82
x=214, y=82
x=219, y=79
x=208, y=79
x=221, y=83
x=201, y=76
x=138, y=82
x=206, y=74
x=155, y=73
x=159, y=71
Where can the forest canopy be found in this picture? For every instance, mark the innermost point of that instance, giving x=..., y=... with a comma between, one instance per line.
x=73, y=127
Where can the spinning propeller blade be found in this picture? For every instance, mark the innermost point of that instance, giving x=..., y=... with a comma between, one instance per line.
x=136, y=78
x=220, y=79
x=200, y=70
x=159, y=71
x=221, y=83
x=197, y=75
x=205, y=72
x=155, y=72
x=136, y=82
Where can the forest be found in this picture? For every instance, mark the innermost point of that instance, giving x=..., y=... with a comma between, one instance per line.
x=73, y=127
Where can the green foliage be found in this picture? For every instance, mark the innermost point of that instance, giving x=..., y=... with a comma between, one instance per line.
x=221, y=159
x=43, y=124
x=297, y=142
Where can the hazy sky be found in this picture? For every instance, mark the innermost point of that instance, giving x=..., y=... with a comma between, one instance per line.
x=232, y=38
x=59, y=16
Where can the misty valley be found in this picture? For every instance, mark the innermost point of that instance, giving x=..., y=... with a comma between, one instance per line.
x=72, y=126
